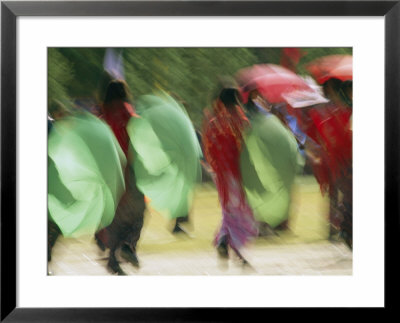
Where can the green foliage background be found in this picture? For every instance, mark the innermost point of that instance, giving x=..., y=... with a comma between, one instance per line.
x=189, y=73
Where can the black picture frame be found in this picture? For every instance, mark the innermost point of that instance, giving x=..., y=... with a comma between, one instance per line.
x=10, y=11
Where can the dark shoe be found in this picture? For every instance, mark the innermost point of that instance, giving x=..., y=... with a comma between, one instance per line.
x=114, y=267
x=179, y=230
x=222, y=249
x=99, y=243
x=130, y=256
x=347, y=238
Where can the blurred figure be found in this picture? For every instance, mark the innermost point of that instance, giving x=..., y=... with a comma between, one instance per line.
x=335, y=74
x=269, y=162
x=255, y=106
x=177, y=227
x=340, y=148
x=329, y=151
x=222, y=146
x=85, y=178
x=56, y=111
x=124, y=231
x=167, y=156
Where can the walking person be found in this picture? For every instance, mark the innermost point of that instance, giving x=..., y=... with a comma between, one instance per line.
x=124, y=232
x=222, y=137
x=85, y=174
x=269, y=162
x=339, y=146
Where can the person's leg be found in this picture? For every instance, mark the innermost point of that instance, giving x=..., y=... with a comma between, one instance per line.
x=178, y=221
x=221, y=240
x=128, y=249
x=101, y=238
x=113, y=264
x=124, y=231
x=117, y=232
x=52, y=234
x=238, y=224
x=183, y=219
x=114, y=232
x=241, y=229
x=222, y=247
x=334, y=219
x=347, y=225
x=347, y=210
x=178, y=228
x=135, y=208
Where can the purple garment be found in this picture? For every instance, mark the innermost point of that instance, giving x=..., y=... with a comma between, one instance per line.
x=238, y=224
x=113, y=64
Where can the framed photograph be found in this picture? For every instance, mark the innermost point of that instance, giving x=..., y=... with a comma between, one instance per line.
x=176, y=48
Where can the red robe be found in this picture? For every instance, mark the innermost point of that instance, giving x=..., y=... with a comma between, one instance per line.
x=329, y=127
x=222, y=143
x=117, y=113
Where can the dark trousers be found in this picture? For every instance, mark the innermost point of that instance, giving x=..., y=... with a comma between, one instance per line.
x=128, y=221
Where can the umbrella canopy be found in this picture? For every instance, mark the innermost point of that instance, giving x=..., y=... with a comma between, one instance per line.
x=270, y=80
x=86, y=178
x=269, y=161
x=333, y=66
x=167, y=154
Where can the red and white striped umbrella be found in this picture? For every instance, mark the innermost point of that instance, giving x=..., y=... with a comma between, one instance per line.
x=333, y=66
x=272, y=81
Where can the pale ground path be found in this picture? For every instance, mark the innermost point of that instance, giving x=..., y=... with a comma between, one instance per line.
x=303, y=250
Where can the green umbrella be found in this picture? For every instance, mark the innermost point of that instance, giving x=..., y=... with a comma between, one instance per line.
x=86, y=175
x=269, y=162
x=167, y=154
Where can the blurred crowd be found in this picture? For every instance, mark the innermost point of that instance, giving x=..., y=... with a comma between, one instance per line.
x=112, y=156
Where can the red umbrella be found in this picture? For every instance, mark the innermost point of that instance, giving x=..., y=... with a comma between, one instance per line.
x=271, y=81
x=333, y=66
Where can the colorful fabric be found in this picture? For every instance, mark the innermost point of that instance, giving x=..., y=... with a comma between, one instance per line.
x=86, y=175
x=328, y=127
x=269, y=160
x=117, y=114
x=128, y=221
x=238, y=224
x=167, y=154
x=222, y=145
